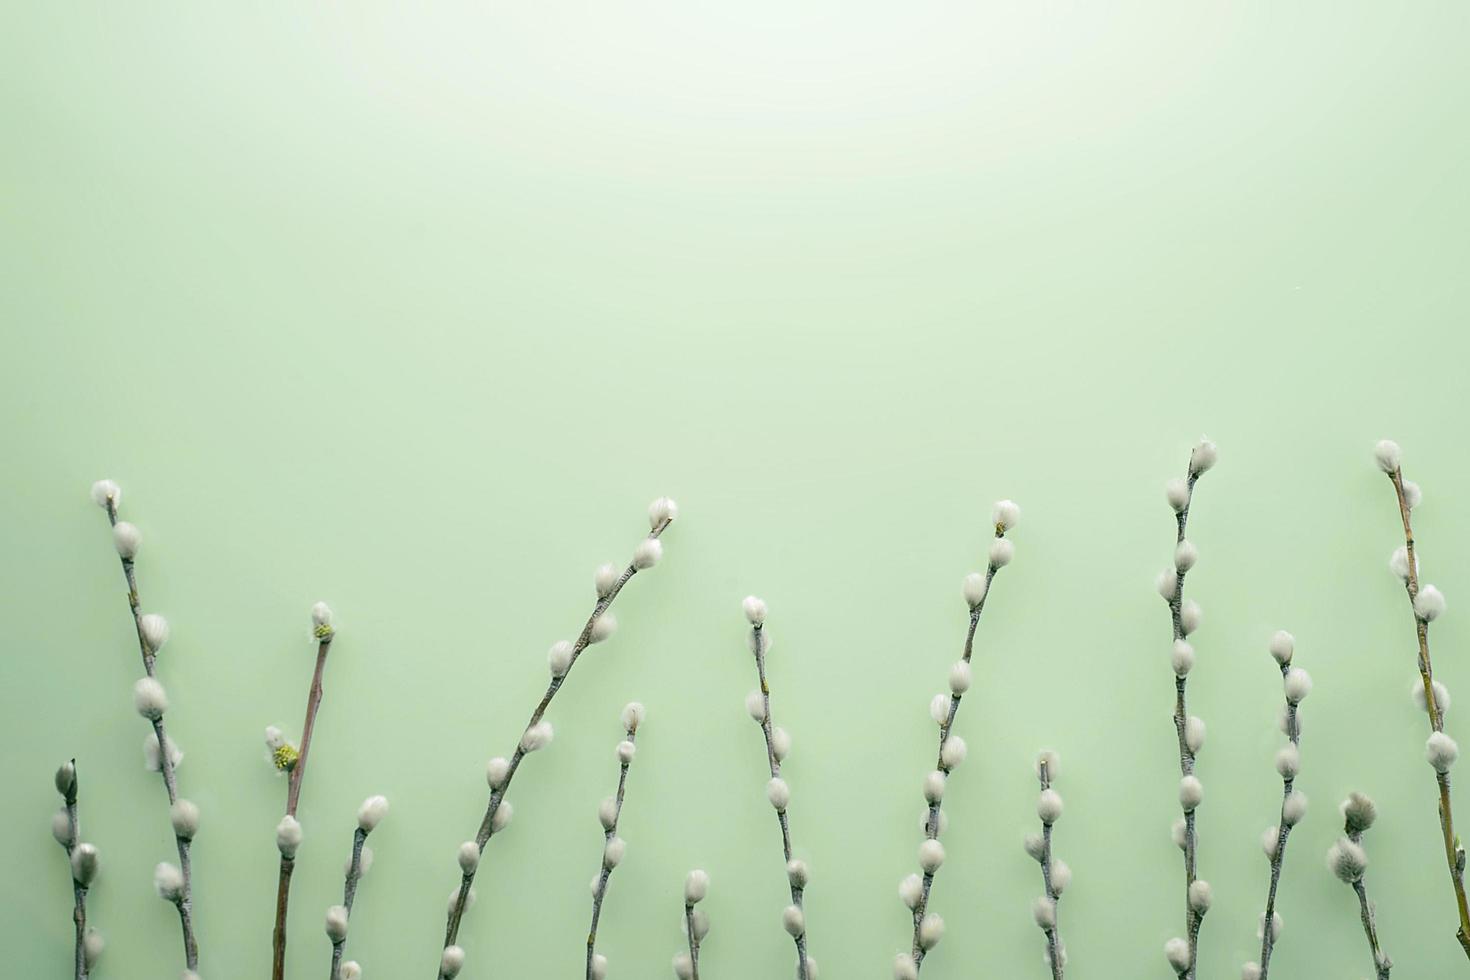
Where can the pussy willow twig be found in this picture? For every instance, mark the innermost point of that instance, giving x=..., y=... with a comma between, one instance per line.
x=82, y=860
x=372, y=811
x=1055, y=875
x=609, y=812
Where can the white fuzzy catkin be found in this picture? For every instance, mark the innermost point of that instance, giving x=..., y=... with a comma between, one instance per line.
x=364, y=862
x=168, y=881
x=911, y=891
x=931, y=855
x=1398, y=562
x=1441, y=695
x=1177, y=832
x=1186, y=555
x=1441, y=751
x=1205, y=455
x=1388, y=455
x=960, y=677
x=661, y=511
x=1167, y=584
x=696, y=886
x=934, y=786
x=1034, y=845
x=1270, y=840
x=504, y=814
x=1250, y=971
x=184, y=815
x=1005, y=514
x=683, y=967
x=559, y=658
x=607, y=813
x=537, y=737
x=1194, y=733
x=372, y=812
x=647, y=554
x=599, y=967
x=84, y=864
x=1358, y=812
x=780, y=743
x=1176, y=951
x=1049, y=806
x=337, y=923
x=1282, y=645
x=1429, y=604
x=105, y=490
x=1347, y=860
x=904, y=967
x=1201, y=896
x=454, y=899
x=778, y=793
x=1294, y=807
x=1191, y=793
x=1297, y=684
x=613, y=852
x=61, y=828
x=149, y=698
x=605, y=579
x=288, y=836
x=152, y=758
x=941, y=826
x=155, y=631
x=931, y=930
x=755, y=706
x=92, y=946
x=351, y=970
x=602, y=627
x=321, y=615
x=754, y=608
x=1044, y=911
x=127, y=539
x=1061, y=875
x=626, y=751
x=1001, y=552
x=633, y=715
x=496, y=771
x=1182, y=658
x=1051, y=761
x=1413, y=495
x=798, y=873
x=1190, y=616
x=1277, y=924
x=793, y=921
x=953, y=752
x=1289, y=761
x=939, y=708
x=451, y=961
x=974, y=589
x=1176, y=491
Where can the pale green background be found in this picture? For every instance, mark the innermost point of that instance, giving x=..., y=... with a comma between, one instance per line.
x=414, y=308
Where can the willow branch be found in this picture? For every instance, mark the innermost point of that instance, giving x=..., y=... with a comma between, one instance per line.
x=1293, y=804
x=611, y=843
x=82, y=860
x=349, y=895
x=1055, y=875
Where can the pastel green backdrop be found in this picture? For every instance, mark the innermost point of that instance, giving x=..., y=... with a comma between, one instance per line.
x=414, y=309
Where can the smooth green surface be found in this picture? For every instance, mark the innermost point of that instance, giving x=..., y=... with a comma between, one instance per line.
x=414, y=307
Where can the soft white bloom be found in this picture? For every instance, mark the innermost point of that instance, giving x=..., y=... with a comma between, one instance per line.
x=1413, y=496
x=939, y=708
x=811, y=968
x=661, y=511
x=1001, y=552
x=496, y=770
x=778, y=793
x=911, y=890
x=931, y=855
x=1282, y=645
x=1277, y=924
x=613, y=852
x=1044, y=911
x=647, y=554
x=607, y=813
x=288, y=836
x=793, y=921
x=61, y=827
x=1205, y=455
x=1190, y=615
x=1005, y=514
x=105, y=490
x=1289, y=761
x=364, y=862
x=1191, y=793
x=1398, y=562
x=152, y=759
x=931, y=930
x=351, y=970
x=1270, y=841
x=1185, y=555
x=1201, y=895
x=1250, y=971
x=960, y=677
x=1297, y=685
x=1049, y=806
x=1061, y=876
x=1049, y=760
x=1441, y=751
x=1293, y=808
x=1429, y=604
x=626, y=751
x=1035, y=846
x=504, y=814
x=66, y=779
x=683, y=967
x=1182, y=658
x=755, y=705
x=150, y=698
x=952, y=752
x=602, y=627
x=1441, y=695
x=934, y=786
x=759, y=641
x=168, y=881
x=1358, y=812
x=321, y=615
x=940, y=827
x=1168, y=584
x=92, y=946
x=599, y=967
x=696, y=886
x=1388, y=454
x=605, y=579
x=1194, y=734
x=537, y=737
x=904, y=967
x=797, y=873
x=184, y=815
x=699, y=920
x=451, y=961
x=1176, y=491
x=126, y=538
x=1176, y=951
x=337, y=924
x=780, y=743
x=84, y=864
x=469, y=899
x=633, y=715
x=1347, y=860
x=1178, y=831
x=559, y=658
x=755, y=610
x=372, y=812
x=154, y=629
x=974, y=589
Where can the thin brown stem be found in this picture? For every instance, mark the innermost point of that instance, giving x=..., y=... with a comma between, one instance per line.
x=349, y=894
x=600, y=892
x=1454, y=855
x=185, y=904
x=497, y=795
